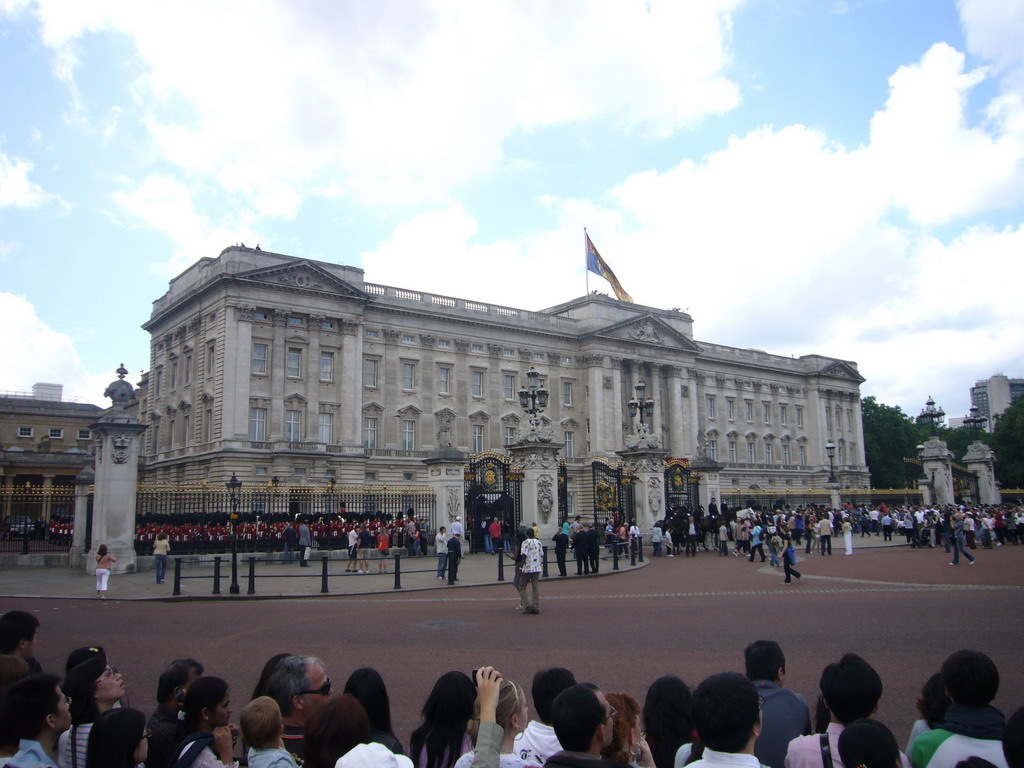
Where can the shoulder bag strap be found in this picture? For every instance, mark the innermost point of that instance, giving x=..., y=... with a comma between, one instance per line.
x=826, y=751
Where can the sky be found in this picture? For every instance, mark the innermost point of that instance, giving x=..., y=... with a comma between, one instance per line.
x=836, y=177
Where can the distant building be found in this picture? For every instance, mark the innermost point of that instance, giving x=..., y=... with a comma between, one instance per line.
x=46, y=443
x=273, y=366
x=994, y=395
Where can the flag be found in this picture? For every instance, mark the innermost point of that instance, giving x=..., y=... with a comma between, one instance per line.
x=597, y=265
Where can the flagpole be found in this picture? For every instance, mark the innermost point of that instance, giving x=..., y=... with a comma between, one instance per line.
x=586, y=270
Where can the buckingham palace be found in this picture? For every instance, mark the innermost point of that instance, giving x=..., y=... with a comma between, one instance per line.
x=274, y=366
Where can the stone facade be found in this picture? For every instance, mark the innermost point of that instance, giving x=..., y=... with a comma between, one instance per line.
x=275, y=366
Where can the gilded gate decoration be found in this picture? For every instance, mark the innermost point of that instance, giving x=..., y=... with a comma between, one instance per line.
x=680, y=484
x=493, y=489
x=613, y=494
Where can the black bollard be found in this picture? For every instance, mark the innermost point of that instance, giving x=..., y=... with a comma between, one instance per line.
x=177, y=576
x=632, y=555
x=640, y=548
x=501, y=566
x=216, y=575
x=544, y=570
x=615, y=556
x=252, y=577
x=398, y=571
x=323, y=575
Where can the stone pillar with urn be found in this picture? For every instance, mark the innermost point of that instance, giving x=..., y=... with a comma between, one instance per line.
x=118, y=437
x=535, y=460
x=981, y=460
x=446, y=475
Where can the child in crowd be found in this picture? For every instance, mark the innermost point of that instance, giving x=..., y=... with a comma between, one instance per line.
x=262, y=728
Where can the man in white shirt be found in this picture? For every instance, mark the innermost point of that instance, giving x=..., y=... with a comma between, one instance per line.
x=727, y=714
x=538, y=741
x=457, y=529
x=529, y=576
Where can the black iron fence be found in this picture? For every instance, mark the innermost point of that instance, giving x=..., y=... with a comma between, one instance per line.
x=36, y=519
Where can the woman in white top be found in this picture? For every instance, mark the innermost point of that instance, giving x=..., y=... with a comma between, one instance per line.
x=511, y=714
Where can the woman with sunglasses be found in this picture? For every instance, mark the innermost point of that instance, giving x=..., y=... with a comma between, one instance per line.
x=94, y=687
x=118, y=739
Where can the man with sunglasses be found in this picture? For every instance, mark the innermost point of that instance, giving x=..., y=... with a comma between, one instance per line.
x=583, y=720
x=301, y=687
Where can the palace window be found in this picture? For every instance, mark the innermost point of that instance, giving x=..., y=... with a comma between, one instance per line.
x=750, y=452
x=369, y=373
x=478, y=383
x=510, y=387
x=56, y=434
x=444, y=380
x=478, y=438
x=767, y=412
x=785, y=453
x=730, y=408
x=369, y=432
x=783, y=415
x=259, y=359
x=769, y=453
x=408, y=435
x=408, y=376
x=326, y=366
x=570, y=443
x=799, y=415
x=711, y=406
x=258, y=424
x=802, y=460
x=293, y=426
x=713, y=450
x=325, y=427
x=510, y=435
x=567, y=394
x=732, y=451
x=294, y=365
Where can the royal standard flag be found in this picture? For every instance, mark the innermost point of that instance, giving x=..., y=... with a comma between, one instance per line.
x=596, y=265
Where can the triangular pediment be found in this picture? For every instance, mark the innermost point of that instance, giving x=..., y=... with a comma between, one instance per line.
x=841, y=370
x=304, y=275
x=646, y=329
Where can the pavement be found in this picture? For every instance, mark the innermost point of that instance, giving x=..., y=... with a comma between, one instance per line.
x=276, y=579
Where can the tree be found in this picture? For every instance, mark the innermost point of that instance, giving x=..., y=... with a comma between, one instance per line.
x=1008, y=444
x=889, y=436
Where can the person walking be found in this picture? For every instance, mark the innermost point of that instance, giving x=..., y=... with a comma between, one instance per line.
x=104, y=559
x=305, y=544
x=454, y=556
x=825, y=535
x=383, y=543
x=848, y=536
x=532, y=558
x=161, y=548
x=788, y=561
x=958, y=541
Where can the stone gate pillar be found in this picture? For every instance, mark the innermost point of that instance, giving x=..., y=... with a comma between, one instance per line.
x=980, y=459
x=118, y=442
x=537, y=463
x=648, y=467
x=936, y=461
x=445, y=475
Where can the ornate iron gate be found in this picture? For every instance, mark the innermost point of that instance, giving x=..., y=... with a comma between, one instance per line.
x=493, y=489
x=680, y=485
x=613, y=494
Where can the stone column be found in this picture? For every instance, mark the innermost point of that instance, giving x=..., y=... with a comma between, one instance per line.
x=675, y=410
x=981, y=460
x=648, y=467
x=118, y=437
x=445, y=475
x=85, y=478
x=537, y=462
x=350, y=369
x=936, y=461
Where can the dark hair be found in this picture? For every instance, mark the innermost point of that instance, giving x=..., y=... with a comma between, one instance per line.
x=84, y=653
x=101, y=550
x=763, y=659
x=725, y=711
x=27, y=703
x=25, y=623
x=335, y=728
x=80, y=685
x=851, y=688
x=204, y=693
x=868, y=743
x=933, y=701
x=445, y=714
x=547, y=684
x=191, y=665
x=367, y=686
x=975, y=762
x=668, y=719
x=971, y=678
x=576, y=714
x=268, y=670
x=1013, y=740
x=11, y=636
x=114, y=738
x=171, y=679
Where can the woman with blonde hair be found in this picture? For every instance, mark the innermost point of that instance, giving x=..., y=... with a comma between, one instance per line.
x=628, y=745
x=512, y=715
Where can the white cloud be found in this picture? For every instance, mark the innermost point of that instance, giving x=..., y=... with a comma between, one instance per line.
x=16, y=190
x=36, y=353
x=400, y=101
x=993, y=29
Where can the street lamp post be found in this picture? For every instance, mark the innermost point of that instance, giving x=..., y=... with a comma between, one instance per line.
x=974, y=422
x=830, y=449
x=932, y=414
x=233, y=485
x=534, y=398
x=642, y=405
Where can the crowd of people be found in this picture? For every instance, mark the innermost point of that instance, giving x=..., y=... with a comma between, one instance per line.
x=295, y=716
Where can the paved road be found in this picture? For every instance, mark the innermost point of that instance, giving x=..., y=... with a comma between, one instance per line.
x=903, y=610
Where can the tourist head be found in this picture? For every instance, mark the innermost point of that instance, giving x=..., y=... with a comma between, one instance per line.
x=668, y=718
x=625, y=727
x=117, y=740
x=727, y=712
x=851, y=689
x=1013, y=740
x=101, y=550
x=547, y=684
x=764, y=660
x=870, y=744
x=933, y=701
x=35, y=707
x=367, y=686
x=207, y=705
x=266, y=673
x=510, y=713
x=582, y=719
x=971, y=678
x=300, y=687
x=18, y=634
x=84, y=653
x=333, y=730
x=261, y=723
x=94, y=687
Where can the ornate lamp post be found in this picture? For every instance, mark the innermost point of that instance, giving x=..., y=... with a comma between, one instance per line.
x=830, y=449
x=642, y=405
x=932, y=414
x=974, y=422
x=534, y=399
x=233, y=485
